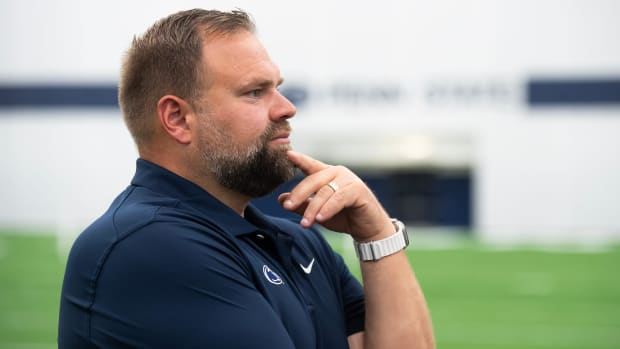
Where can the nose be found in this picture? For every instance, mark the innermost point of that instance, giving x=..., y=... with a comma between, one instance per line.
x=282, y=108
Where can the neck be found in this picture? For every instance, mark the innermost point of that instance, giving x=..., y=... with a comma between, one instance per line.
x=228, y=197
x=236, y=201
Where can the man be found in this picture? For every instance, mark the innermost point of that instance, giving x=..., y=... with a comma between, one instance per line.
x=182, y=260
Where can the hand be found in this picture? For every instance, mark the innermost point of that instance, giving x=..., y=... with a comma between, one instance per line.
x=352, y=208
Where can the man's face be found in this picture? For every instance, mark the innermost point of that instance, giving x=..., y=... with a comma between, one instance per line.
x=243, y=136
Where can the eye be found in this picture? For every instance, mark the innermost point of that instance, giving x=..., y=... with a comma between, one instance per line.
x=255, y=93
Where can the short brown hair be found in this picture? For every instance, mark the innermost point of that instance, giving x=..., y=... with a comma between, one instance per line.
x=166, y=59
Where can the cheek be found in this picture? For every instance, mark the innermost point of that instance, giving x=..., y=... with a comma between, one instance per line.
x=254, y=130
x=246, y=126
x=241, y=121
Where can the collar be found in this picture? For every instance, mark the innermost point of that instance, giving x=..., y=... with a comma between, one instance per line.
x=165, y=182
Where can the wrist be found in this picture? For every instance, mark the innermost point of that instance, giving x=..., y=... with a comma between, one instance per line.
x=385, y=230
x=385, y=245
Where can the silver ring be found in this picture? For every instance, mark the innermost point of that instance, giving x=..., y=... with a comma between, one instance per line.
x=333, y=185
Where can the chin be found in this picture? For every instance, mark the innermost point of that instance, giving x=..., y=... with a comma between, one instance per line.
x=284, y=146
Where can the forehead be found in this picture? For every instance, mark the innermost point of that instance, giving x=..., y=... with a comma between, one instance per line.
x=237, y=59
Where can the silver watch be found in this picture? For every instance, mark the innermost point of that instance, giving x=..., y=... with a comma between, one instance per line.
x=375, y=250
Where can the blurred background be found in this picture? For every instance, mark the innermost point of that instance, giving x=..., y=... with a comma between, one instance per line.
x=491, y=127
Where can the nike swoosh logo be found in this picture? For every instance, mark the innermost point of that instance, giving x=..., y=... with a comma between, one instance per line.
x=307, y=269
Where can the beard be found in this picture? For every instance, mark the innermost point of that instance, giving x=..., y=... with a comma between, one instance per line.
x=254, y=170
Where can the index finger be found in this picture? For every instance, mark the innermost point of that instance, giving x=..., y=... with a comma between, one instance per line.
x=305, y=163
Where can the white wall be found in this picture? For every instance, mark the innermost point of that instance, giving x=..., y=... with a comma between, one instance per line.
x=61, y=167
x=539, y=174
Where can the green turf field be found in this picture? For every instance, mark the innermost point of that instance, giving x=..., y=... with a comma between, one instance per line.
x=478, y=297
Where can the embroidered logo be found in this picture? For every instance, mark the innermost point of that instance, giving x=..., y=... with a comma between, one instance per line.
x=271, y=276
x=308, y=269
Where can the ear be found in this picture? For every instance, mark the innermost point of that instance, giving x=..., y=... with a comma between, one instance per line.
x=173, y=113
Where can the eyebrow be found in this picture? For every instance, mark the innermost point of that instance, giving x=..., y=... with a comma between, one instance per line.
x=262, y=83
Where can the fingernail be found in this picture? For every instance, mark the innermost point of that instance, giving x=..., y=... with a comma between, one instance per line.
x=288, y=204
x=304, y=221
x=319, y=217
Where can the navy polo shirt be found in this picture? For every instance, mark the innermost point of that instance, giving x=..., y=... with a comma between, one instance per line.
x=170, y=266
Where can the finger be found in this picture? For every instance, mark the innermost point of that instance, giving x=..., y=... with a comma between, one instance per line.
x=314, y=206
x=336, y=203
x=282, y=199
x=308, y=187
x=305, y=163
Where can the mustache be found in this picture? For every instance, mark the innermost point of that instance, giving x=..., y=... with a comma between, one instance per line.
x=276, y=128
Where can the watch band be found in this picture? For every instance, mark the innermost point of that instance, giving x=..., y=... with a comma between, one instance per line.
x=375, y=250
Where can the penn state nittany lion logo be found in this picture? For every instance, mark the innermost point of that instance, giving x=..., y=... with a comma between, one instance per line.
x=271, y=276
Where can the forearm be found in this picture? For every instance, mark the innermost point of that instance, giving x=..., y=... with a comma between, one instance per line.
x=396, y=312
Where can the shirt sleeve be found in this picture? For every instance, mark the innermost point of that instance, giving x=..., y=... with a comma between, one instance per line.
x=171, y=286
